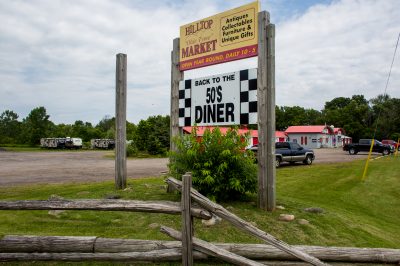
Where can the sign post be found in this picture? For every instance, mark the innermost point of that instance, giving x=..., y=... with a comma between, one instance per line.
x=266, y=113
x=176, y=77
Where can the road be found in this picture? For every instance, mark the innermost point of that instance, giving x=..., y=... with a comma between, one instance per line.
x=17, y=168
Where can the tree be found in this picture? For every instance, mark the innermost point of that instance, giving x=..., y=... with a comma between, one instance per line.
x=386, y=118
x=130, y=130
x=152, y=135
x=106, y=123
x=352, y=114
x=36, y=125
x=10, y=127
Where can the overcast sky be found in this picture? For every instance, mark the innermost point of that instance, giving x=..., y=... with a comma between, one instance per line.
x=61, y=54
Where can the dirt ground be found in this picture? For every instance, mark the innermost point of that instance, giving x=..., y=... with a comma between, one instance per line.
x=17, y=168
x=59, y=167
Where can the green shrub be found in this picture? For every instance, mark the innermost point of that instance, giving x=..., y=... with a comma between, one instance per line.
x=154, y=146
x=221, y=167
x=131, y=150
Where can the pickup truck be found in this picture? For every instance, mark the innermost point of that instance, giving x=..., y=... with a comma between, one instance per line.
x=290, y=152
x=365, y=145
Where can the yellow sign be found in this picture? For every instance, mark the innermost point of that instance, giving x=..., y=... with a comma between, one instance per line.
x=221, y=38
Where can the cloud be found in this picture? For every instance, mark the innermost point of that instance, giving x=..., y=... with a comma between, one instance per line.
x=337, y=50
x=61, y=54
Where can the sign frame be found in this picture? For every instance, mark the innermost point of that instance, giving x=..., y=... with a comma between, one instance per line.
x=224, y=37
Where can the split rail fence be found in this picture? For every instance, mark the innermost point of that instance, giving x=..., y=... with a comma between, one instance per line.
x=186, y=249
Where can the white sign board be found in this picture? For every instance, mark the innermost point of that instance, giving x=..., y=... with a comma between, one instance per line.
x=215, y=100
x=225, y=99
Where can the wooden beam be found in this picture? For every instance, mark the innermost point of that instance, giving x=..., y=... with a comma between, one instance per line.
x=211, y=249
x=120, y=122
x=168, y=207
x=176, y=76
x=148, y=256
x=79, y=244
x=271, y=169
x=262, y=110
x=187, y=222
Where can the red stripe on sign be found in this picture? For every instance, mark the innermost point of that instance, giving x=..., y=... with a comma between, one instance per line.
x=223, y=57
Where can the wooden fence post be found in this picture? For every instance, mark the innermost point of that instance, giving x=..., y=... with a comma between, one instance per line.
x=120, y=122
x=187, y=221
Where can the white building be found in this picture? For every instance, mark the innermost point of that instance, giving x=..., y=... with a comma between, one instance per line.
x=313, y=137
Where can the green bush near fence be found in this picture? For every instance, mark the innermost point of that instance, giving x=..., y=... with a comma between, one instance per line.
x=221, y=167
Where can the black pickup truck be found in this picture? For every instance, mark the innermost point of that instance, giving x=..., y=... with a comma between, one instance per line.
x=364, y=145
x=290, y=152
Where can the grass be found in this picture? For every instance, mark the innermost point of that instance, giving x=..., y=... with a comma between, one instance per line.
x=19, y=147
x=356, y=213
x=26, y=148
x=139, y=155
x=110, y=154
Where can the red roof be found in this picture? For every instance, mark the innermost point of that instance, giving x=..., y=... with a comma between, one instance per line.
x=337, y=129
x=253, y=132
x=307, y=129
x=280, y=134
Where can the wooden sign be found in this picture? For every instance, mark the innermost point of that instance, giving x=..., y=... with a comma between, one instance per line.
x=221, y=38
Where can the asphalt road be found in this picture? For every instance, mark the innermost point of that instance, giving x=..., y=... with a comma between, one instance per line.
x=17, y=168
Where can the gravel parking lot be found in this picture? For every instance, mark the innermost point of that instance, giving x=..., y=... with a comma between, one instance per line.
x=59, y=167
x=86, y=166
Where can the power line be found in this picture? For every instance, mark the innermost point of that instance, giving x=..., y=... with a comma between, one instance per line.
x=387, y=83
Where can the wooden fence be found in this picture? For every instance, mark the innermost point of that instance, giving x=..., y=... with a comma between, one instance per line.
x=186, y=249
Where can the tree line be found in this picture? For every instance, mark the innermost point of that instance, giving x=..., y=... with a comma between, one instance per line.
x=150, y=135
x=356, y=115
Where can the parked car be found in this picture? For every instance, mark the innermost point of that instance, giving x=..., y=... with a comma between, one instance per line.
x=395, y=144
x=290, y=152
x=365, y=145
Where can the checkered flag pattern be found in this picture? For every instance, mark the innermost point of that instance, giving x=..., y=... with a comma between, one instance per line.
x=248, y=96
x=185, y=102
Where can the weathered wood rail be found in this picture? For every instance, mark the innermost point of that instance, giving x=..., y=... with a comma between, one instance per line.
x=167, y=207
x=260, y=252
